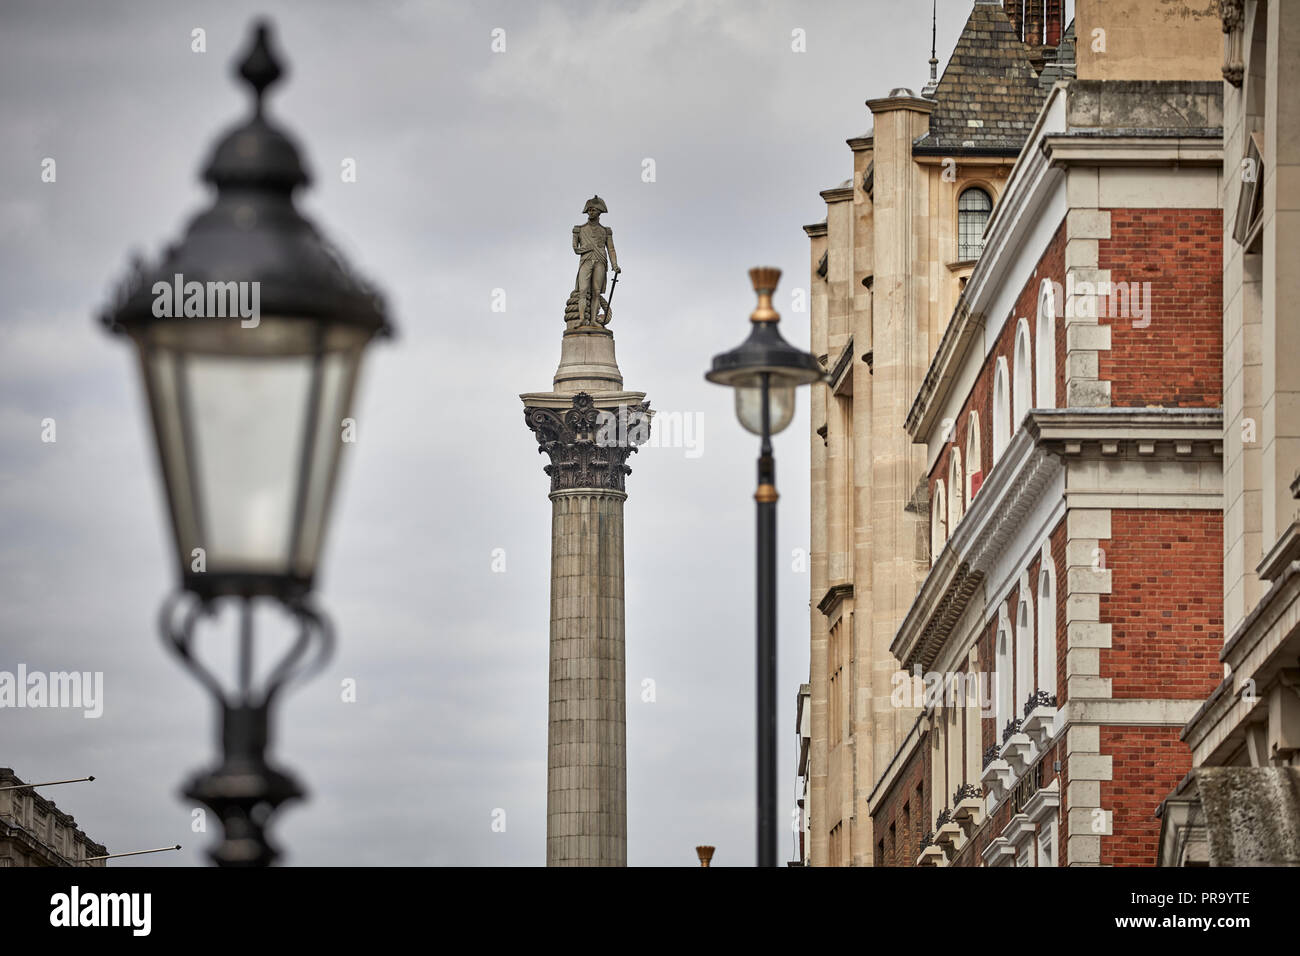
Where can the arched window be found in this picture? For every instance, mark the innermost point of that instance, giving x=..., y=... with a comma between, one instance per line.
x=1001, y=410
x=1047, y=622
x=1002, y=675
x=973, y=208
x=974, y=476
x=1045, y=347
x=1023, y=379
x=938, y=521
x=955, y=476
x=1024, y=645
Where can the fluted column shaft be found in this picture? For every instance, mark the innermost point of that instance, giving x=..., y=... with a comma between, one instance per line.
x=586, y=768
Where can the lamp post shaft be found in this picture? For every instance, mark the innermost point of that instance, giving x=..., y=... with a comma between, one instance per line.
x=765, y=361
x=766, y=497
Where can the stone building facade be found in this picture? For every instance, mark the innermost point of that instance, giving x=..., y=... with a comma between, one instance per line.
x=1017, y=483
x=803, y=744
x=34, y=832
x=1240, y=805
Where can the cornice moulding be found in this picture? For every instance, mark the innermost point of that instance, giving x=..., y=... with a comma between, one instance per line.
x=841, y=367
x=1015, y=483
x=886, y=104
x=1112, y=148
x=833, y=597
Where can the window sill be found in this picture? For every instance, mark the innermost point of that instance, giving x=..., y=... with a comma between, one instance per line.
x=999, y=852
x=1019, y=753
x=931, y=856
x=998, y=780
x=969, y=813
x=1040, y=726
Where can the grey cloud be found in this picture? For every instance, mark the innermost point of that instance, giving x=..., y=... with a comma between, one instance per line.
x=472, y=169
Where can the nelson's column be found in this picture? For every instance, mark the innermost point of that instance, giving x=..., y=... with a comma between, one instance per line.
x=587, y=425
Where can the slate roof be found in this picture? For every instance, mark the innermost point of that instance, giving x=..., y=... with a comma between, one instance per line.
x=989, y=96
x=1061, y=65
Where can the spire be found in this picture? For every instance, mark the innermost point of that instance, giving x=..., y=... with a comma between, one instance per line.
x=930, y=87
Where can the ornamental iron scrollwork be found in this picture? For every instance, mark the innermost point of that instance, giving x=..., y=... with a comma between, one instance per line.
x=967, y=791
x=1012, y=728
x=990, y=755
x=1039, y=698
x=588, y=446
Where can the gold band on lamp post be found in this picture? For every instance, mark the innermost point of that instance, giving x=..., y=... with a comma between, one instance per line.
x=764, y=279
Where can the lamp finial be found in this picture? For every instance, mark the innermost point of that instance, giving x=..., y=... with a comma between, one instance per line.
x=260, y=68
x=765, y=279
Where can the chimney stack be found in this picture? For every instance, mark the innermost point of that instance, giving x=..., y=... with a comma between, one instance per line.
x=1054, y=27
x=1033, y=35
x=1012, y=9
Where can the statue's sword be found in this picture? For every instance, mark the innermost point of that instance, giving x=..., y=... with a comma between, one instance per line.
x=609, y=303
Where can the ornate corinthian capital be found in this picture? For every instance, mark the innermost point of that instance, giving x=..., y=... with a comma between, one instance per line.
x=588, y=446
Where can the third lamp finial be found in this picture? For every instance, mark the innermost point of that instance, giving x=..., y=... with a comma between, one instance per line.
x=260, y=67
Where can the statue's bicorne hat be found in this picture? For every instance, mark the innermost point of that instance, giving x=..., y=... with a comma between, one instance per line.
x=597, y=202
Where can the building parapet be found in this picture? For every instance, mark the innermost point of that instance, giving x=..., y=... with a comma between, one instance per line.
x=1144, y=104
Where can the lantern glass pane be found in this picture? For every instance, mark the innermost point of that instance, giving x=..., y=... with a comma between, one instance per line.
x=249, y=417
x=328, y=439
x=782, y=403
x=249, y=425
x=749, y=407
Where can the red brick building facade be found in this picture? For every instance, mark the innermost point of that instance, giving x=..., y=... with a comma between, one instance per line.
x=1066, y=618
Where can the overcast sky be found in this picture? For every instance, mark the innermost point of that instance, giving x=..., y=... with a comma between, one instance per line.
x=473, y=167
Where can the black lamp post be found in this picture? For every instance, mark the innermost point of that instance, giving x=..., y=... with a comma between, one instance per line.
x=250, y=333
x=765, y=370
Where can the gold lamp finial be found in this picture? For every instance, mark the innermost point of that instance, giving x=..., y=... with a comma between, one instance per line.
x=765, y=279
x=705, y=853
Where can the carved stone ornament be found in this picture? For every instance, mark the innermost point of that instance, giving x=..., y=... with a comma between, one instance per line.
x=1233, y=14
x=588, y=446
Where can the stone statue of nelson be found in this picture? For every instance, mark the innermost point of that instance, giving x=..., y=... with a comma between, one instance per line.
x=591, y=241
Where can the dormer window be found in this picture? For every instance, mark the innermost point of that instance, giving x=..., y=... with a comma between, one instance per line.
x=973, y=209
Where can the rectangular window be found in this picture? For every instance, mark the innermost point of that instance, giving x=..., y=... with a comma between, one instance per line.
x=909, y=838
x=1047, y=844
x=836, y=709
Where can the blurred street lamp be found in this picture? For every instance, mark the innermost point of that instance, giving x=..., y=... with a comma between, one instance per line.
x=765, y=370
x=250, y=333
x=705, y=853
